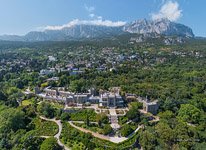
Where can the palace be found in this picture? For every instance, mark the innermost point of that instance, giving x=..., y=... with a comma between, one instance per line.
x=110, y=98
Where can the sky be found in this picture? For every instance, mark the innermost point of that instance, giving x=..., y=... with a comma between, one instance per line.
x=21, y=16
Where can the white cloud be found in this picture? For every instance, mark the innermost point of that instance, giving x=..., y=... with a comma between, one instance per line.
x=98, y=22
x=92, y=15
x=99, y=17
x=169, y=10
x=89, y=8
x=95, y=20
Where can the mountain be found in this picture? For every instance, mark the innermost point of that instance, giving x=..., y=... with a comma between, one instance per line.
x=74, y=33
x=162, y=27
x=11, y=38
x=143, y=27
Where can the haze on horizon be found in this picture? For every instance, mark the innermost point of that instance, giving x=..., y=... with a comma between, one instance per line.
x=20, y=17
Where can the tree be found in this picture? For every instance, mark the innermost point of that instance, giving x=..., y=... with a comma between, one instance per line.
x=165, y=134
x=148, y=140
x=2, y=96
x=183, y=134
x=107, y=129
x=126, y=130
x=189, y=113
x=46, y=109
x=86, y=140
x=29, y=142
x=87, y=121
x=4, y=143
x=50, y=144
x=52, y=83
x=14, y=95
x=63, y=81
x=137, y=105
x=102, y=118
x=78, y=86
x=65, y=116
x=133, y=114
x=200, y=146
x=170, y=104
x=166, y=115
x=11, y=119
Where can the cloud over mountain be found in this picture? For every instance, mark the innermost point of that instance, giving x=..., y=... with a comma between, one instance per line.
x=170, y=10
x=98, y=22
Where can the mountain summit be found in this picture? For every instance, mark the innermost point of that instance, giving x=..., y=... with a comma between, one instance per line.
x=91, y=31
x=162, y=27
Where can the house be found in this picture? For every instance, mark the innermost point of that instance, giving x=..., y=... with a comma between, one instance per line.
x=52, y=58
x=53, y=79
x=47, y=72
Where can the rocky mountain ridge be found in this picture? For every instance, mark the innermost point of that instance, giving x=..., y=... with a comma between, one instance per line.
x=85, y=31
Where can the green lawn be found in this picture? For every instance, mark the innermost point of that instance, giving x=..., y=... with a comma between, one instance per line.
x=57, y=105
x=26, y=102
x=82, y=114
x=93, y=127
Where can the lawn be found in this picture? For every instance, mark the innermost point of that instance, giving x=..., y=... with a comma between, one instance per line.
x=93, y=127
x=57, y=105
x=82, y=114
x=26, y=102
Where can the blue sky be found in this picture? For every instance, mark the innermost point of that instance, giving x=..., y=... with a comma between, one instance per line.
x=22, y=16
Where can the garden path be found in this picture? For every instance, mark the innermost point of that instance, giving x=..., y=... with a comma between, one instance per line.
x=57, y=136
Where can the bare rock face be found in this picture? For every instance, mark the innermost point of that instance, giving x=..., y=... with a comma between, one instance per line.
x=162, y=27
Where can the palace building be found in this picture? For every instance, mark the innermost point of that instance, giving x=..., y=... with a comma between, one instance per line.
x=110, y=98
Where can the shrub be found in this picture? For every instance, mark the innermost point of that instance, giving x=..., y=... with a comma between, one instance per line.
x=107, y=129
x=50, y=144
x=102, y=118
x=133, y=114
x=46, y=109
x=126, y=130
x=65, y=116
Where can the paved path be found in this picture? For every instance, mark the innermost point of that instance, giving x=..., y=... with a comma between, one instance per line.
x=57, y=136
x=156, y=118
x=84, y=122
x=88, y=131
x=113, y=139
x=46, y=137
x=190, y=124
x=114, y=119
